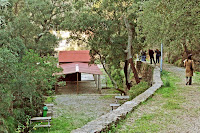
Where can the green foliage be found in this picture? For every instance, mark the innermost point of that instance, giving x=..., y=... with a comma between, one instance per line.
x=113, y=129
x=7, y=70
x=173, y=23
x=33, y=81
x=6, y=125
x=26, y=66
x=109, y=82
x=50, y=99
x=25, y=78
x=167, y=84
x=61, y=83
x=118, y=76
x=174, y=20
x=138, y=89
x=165, y=77
x=107, y=37
x=32, y=21
x=25, y=128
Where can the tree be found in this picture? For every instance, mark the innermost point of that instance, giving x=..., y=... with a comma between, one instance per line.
x=129, y=58
x=174, y=23
x=23, y=83
x=103, y=22
x=26, y=66
x=32, y=21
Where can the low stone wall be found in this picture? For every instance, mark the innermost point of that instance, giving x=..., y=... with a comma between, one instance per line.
x=104, y=122
x=145, y=71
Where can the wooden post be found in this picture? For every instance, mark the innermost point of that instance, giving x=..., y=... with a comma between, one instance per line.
x=99, y=83
x=77, y=70
x=77, y=84
x=106, y=81
x=56, y=87
x=95, y=79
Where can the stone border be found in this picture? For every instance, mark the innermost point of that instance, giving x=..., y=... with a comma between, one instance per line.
x=104, y=122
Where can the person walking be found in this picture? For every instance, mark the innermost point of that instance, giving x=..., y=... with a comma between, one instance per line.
x=158, y=54
x=151, y=54
x=189, y=69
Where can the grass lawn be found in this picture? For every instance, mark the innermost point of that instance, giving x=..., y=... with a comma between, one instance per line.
x=65, y=123
x=152, y=121
x=197, y=77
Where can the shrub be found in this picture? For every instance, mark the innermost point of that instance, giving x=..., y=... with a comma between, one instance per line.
x=167, y=83
x=7, y=125
x=138, y=89
x=166, y=79
x=50, y=99
x=118, y=76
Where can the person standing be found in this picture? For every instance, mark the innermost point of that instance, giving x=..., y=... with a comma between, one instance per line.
x=158, y=53
x=151, y=54
x=189, y=69
x=143, y=55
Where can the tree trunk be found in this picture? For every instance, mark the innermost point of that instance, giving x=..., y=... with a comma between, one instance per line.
x=185, y=46
x=168, y=56
x=185, y=49
x=126, y=75
x=134, y=71
x=129, y=58
x=112, y=80
x=16, y=8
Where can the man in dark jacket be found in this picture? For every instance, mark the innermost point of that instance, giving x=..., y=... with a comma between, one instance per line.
x=151, y=54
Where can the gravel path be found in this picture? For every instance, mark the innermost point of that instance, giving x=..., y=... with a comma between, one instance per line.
x=91, y=106
x=185, y=119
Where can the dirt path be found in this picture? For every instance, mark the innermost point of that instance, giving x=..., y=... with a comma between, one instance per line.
x=177, y=113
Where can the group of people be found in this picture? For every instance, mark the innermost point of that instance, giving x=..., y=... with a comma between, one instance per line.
x=151, y=55
x=188, y=63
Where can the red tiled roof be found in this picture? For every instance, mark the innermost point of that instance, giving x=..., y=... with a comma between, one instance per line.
x=74, y=56
x=69, y=68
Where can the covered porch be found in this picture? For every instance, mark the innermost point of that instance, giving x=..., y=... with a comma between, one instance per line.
x=80, y=78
